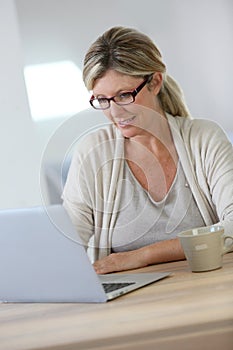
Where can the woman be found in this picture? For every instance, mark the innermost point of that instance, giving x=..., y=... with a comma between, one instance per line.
x=153, y=171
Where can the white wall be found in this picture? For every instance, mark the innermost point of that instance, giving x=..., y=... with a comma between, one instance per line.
x=18, y=146
x=195, y=38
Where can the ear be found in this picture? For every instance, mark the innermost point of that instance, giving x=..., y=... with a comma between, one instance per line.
x=156, y=83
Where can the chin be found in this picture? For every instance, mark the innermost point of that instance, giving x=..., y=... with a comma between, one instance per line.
x=129, y=131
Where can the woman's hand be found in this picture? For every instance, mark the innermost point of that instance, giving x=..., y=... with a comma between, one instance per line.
x=163, y=251
x=120, y=262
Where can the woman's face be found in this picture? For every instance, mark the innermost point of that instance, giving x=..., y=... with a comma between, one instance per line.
x=132, y=119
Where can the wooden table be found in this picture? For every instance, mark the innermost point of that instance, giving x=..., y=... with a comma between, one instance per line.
x=184, y=311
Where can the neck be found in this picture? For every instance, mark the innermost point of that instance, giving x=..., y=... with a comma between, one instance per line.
x=157, y=137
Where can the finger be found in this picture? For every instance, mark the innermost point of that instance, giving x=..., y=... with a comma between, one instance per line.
x=104, y=266
x=100, y=268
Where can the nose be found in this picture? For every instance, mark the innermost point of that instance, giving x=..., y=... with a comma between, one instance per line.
x=116, y=112
x=113, y=112
x=115, y=109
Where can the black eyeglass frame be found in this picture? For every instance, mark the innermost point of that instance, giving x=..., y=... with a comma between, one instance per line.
x=132, y=93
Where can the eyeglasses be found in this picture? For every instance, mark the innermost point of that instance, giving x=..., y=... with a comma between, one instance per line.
x=125, y=98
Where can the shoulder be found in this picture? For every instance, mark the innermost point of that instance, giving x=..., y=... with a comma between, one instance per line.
x=99, y=147
x=102, y=136
x=195, y=124
x=198, y=130
x=204, y=140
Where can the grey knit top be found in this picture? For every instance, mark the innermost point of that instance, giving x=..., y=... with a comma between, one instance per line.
x=142, y=221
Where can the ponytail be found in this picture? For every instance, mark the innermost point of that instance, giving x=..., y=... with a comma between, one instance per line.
x=172, y=99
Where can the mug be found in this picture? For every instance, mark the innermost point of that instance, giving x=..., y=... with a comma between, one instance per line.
x=204, y=247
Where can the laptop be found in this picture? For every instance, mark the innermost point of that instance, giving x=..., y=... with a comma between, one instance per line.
x=42, y=260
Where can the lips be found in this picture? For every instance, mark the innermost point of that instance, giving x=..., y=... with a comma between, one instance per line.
x=126, y=122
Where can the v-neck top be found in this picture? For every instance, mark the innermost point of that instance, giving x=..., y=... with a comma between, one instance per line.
x=142, y=221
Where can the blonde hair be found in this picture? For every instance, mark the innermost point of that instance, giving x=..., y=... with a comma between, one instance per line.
x=130, y=52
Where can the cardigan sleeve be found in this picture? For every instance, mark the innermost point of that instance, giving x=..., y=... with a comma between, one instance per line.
x=91, y=195
x=206, y=154
x=76, y=198
x=213, y=164
x=219, y=169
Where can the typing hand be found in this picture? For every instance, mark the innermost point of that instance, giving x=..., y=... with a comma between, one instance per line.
x=120, y=262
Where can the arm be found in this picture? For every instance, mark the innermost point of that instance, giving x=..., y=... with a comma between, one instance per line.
x=219, y=172
x=89, y=193
x=164, y=251
x=76, y=199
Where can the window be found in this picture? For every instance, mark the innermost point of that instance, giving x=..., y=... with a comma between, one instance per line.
x=55, y=90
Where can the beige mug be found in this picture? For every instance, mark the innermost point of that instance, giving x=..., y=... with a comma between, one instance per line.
x=204, y=247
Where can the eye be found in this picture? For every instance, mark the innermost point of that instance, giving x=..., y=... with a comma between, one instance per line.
x=102, y=100
x=124, y=96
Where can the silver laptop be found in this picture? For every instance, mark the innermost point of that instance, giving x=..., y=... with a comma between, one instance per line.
x=42, y=260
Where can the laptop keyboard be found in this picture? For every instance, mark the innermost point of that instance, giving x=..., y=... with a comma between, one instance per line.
x=109, y=287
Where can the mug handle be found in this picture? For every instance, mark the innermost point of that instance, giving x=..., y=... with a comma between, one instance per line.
x=229, y=247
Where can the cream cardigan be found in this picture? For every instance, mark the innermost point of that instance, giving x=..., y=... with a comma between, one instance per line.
x=91, y=194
